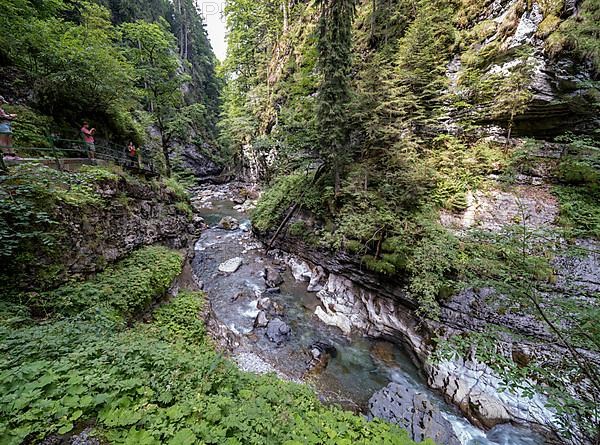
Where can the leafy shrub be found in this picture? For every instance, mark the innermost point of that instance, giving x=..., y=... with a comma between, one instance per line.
x=30, y=129
x=128, y=286
x=298, y=228
x=578, y=173
x=157, y=384
x=286, y=191
x=380, y=266
x=579, y=210
x=185, y=208
x=178, y=189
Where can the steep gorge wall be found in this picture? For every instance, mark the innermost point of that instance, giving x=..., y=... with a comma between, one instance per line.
x=70, y=225
x=502, y=65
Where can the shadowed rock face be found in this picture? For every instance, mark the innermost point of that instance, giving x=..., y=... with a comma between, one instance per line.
x=133, y=214
x=198, y=163
x=413, y=411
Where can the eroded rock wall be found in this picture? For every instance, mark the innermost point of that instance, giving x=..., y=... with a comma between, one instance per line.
x=132, y=214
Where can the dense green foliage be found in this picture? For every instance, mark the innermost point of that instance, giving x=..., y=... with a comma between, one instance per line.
x=127, y=287
x=409, y=112
x=334, y=63
x=120, y=64
x=152, y=383
x=37, y=206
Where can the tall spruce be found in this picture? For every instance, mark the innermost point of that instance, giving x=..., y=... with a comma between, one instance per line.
x=335, y=62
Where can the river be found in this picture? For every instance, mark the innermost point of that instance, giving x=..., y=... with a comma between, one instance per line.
x=361, y=365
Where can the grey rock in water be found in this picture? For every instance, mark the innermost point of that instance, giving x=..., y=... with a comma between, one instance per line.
x=264, y=304
x=228, y=223
x=278, y=331
x=317, y=280
x=231, y=265
x=272, y=277
x=273, y=290
x=83, y=438
x=320, y=354
x=406, y=407
x=246, y=226
x=239, y=200
x=261, y=320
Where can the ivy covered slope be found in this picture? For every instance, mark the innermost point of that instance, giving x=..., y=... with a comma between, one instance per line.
x=56, y=225
x=90, y=369
x=447, y=157
x=141, y=71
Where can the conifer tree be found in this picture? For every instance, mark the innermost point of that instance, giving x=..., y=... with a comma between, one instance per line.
x=335, y=60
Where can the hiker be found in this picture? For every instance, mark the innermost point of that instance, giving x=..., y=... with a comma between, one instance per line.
x=88, y=137
x=131, y=154
x=6, y=131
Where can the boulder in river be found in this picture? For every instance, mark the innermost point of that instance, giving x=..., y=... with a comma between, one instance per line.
x=261, y=320
x=408, y=408
x=228, y=223
x=264, y=303
x=272, y=277
x=317, y=280
x=300, y=270
x=320, y=354
x=278, y=331
x=239, y=200
x=231, y=265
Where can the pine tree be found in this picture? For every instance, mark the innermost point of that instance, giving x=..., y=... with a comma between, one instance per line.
x=335, y=61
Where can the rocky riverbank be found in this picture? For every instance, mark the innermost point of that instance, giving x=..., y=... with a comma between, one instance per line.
x=358, y=301
x=280, y=313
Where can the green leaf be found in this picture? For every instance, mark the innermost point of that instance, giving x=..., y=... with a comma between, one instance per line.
x=183, y=437
x=66, y=428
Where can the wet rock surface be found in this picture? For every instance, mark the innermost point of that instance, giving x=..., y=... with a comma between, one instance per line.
x=273, y=277
x=320, y=353
x=278, y=331
x=83, y=438
x=230, y=265
x=413, y=411
x=228, y=223
x=109, y=232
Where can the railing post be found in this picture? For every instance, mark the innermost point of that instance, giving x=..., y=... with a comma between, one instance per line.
x=53, y=147
x=3, y=165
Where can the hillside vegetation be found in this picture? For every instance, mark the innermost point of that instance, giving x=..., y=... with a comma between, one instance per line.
x=122, y=65
x=93, y=366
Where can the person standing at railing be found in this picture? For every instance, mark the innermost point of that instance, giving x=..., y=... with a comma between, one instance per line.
x=88, y=137
x=6, y=131
x=131, y=154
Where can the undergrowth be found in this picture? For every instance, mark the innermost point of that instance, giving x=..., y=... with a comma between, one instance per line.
x=128, y=286
x=153, y=383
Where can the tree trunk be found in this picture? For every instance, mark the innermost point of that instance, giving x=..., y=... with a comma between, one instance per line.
x=373, y=21
x=286, y=18
x=165, y=149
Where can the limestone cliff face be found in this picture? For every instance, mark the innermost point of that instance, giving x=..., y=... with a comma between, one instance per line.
x=513, y=34
x=350, y=303
x=508, y=64
x=134, y=215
